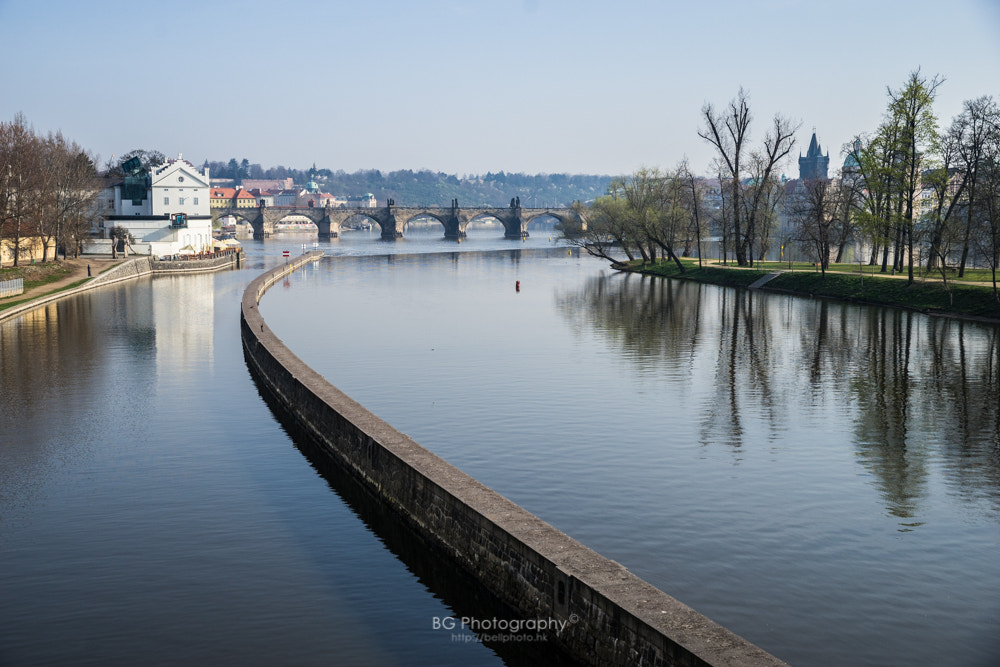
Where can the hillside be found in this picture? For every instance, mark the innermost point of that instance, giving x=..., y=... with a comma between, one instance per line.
x=424, y=187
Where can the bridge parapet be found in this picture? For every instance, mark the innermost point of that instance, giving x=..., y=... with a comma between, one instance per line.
x=393, y=219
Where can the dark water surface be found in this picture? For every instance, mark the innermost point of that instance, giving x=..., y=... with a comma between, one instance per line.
x=822, y=479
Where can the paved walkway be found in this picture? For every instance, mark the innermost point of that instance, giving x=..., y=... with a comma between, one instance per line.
x=78, y=271
x=929, y=278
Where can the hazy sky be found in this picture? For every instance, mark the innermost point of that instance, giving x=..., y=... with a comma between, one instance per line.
x=469, y=86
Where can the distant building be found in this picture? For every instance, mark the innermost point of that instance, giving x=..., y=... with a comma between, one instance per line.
x=814, y=166
x=286, y=197
x=852, y=169
x=263, y=197
x=366, y=200
x=233, y=198
x=267, y=184
x=166, y=209
x=222, y=197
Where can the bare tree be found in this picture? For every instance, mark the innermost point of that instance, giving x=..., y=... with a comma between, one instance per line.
x=947, y=186
x=696, y=202
x=728, y=132
x=910, y=111
x=813, y=209
x=69, y=187
x=972, y=133
x=986, y=227
x=849, y=196
x=764, y=192
x=20, y=170
x=722, y=218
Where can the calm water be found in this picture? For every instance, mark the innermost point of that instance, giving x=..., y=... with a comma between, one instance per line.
x=822, y=479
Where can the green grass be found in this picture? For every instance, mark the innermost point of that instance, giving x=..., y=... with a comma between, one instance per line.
x=36, y=274
x=716, y=275
x=924, y=295
x=11, y=304
x=928, y=296
x=971, y=275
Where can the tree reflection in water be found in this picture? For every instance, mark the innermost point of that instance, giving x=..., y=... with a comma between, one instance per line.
x=918, y=390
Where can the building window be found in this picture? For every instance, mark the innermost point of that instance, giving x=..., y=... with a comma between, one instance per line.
x=166, y=201
x=181, y=202
x=195, y=201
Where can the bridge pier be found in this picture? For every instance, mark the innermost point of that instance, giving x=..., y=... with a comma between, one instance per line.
x=392, y=226
x=514, y=225
x=452, y=221
x=392, y=219
x=327, y=229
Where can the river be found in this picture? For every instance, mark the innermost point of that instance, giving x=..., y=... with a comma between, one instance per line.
x=820, y=478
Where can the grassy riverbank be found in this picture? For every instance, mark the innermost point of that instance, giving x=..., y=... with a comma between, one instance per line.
x=35, y=275
x=41, y=280
x=927, y=294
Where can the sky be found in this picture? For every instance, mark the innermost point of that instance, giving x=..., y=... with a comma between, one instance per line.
x=472, y=86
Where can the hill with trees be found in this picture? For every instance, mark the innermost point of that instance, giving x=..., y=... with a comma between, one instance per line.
x=425, y=187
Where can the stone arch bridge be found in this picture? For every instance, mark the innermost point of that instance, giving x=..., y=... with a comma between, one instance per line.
x=391, y=219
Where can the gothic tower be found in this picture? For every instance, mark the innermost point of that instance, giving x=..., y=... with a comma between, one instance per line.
x=814, y=166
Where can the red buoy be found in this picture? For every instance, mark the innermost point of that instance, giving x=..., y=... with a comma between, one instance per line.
x=517, y=285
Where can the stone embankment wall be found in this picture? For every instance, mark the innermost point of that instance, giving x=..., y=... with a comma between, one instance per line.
x=133, y=268
x=607, y=615
x=221, y=261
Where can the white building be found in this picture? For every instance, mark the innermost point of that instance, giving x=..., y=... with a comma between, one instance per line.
x=166, y=209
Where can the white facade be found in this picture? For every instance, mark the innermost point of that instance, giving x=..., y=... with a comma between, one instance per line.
x=179, y=187
x=176, y=187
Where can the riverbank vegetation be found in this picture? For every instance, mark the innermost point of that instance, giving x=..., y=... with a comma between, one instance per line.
x=424, y=187
x=48, y=186
x=927, y=294
x=36, y=274
x=912, y=198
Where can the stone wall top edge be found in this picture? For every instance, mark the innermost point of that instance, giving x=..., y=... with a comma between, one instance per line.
x=607, y=578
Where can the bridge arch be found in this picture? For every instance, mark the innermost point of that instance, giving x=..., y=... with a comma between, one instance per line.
x=425, y=214
x=392, y=219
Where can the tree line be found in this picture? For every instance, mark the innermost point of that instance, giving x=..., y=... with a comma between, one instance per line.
x=425, y=187
x=912, y=193
x=48, y=186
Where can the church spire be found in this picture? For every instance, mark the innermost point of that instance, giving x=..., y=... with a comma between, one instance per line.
x=814, y=148
x=814, y=165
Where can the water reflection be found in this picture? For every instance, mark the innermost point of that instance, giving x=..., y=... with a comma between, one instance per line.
x=58, y=385
x=464, y=596
x=184, y=314
x=919, y=392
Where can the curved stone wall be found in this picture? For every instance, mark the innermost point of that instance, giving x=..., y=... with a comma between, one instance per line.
x=597, y=610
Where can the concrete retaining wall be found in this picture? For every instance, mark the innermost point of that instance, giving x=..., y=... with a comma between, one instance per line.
x=224, y=260
x=611, y=616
